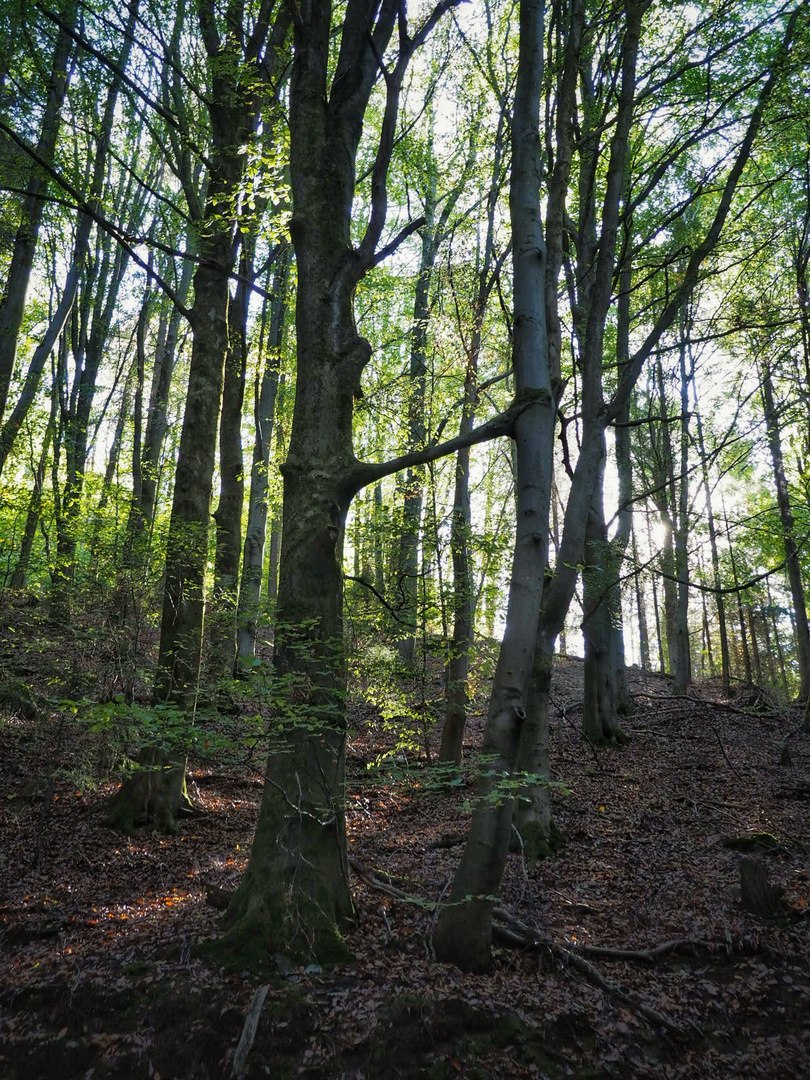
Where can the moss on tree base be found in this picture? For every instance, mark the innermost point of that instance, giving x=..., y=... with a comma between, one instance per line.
x=612, y=736
x=260, y=931
x=538, y=841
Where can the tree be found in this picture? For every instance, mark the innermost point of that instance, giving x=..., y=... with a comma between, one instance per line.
x=15, y=290
x=463, y=932
x=295, y=895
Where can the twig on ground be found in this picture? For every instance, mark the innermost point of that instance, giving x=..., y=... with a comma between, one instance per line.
x=725, y=755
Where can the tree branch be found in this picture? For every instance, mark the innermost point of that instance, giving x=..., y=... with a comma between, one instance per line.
x=366, y=472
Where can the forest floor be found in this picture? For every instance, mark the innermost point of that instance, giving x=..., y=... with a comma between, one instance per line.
x=99, y=976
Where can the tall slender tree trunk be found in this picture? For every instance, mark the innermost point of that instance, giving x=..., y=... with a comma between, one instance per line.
x=600, y=707
x=20, y=576
x=238, y=73
x=464, y=928
x=12, y=305
x=746, y=655
x=464, y=597
x=228, y=514
x=408, y=570
x=786, y=515
x=142, y=509
x=264, y=414
x=641, y=611
x=682, y=662
x=719, y=599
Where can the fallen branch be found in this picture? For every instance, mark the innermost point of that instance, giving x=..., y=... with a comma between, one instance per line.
x=518, y=933
x=249, y=1031
x=451, y=840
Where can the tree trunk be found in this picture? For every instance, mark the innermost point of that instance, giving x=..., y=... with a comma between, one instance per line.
x=20, y=575
x=294, y=896
x=237, y=78
x=408, y=569
x=264, y=413
x=12, y=305
x=786, y=515
x=643, y=636
x=682, y=665
x=600, y=708
x=464, y=928
x=142, y=508
x=464, y=596
x=228, y=514
x=719, y=599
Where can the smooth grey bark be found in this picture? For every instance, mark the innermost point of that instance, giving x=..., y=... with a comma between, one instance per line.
x=15, y=289
x=591, y=302
x=601, y=691
x=788, y=529
x=264, y=408
x=605, y=681
x=463, y=931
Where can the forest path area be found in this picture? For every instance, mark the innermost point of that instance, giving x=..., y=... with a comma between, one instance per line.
x=99, y=975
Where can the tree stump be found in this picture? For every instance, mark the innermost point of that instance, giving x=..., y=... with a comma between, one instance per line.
x=756, y=892
x=152, y=795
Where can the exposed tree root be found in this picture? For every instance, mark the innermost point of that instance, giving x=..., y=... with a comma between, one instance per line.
x=517, y=933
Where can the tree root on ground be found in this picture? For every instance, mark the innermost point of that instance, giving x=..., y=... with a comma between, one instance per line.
x=510, y=931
